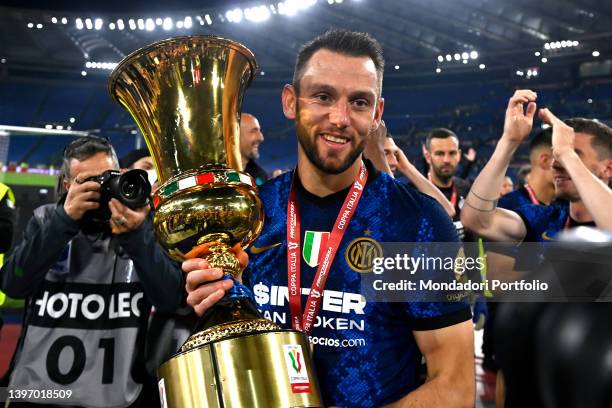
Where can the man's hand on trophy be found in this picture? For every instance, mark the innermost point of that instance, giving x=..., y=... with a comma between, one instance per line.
x=205, y=285
x=123, y=219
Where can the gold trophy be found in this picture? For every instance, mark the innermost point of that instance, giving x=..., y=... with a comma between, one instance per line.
x=185, y=94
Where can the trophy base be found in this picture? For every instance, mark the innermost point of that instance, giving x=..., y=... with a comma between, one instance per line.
x=266, y=369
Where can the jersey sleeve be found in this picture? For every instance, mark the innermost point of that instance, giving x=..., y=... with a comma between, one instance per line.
x=537, y=219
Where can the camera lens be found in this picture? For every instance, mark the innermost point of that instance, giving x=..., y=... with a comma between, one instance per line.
x=132, y=188
x=129, y=189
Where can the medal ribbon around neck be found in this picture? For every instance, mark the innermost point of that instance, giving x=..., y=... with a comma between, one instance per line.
x=306, y=321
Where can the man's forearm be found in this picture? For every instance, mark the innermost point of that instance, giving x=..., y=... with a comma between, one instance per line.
x=161, y=278
x=482, y=200
x=596, y=196
x=426, y=187
x=438, y=393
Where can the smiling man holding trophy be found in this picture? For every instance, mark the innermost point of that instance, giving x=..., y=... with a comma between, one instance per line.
x=303, y=269
x=185, y=94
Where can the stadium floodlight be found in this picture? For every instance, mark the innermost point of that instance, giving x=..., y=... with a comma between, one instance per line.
x=563, y=44
x=39, y=26
x=440, y=58
x=84, y=73
x=547, y=46
x=120, y=24
x=465, y=61
x=54, y=20
x=537, y=53
x=544, y=60
x=64, y=20
x=289, y=7
x=59, y=127
x=576, y=43
x=159, y=21
x=48, y=126
x=179, y=24
x=30, y=25
x=149, y=24
x=589, y=101
x=88, y=64
x=98, y=23
x=234, y=16
x=449, y=57
x=141, y=24
x=457, y=56
x=520, y=73
x=72, y=120
x=482, y=66
x=397, y=67
x=262, y=73
x=208, y=19
x=465, y=55
x=88, y=24
x=167, y=25
x=438, y=70
x=188, y=22
x=257, y=14
x=474, y=54
x=132, y=24
x=595, y=53
x=111, y=26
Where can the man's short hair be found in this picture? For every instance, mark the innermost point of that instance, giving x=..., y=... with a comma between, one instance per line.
x=602, y=135
x=439, y=133
x=542, y=139
x=83, y=148
x=350, y=43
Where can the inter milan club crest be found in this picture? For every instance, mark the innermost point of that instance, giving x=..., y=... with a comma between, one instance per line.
x=361, y=252
x=314, y=241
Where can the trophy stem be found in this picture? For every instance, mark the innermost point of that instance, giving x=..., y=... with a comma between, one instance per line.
x=236, y=312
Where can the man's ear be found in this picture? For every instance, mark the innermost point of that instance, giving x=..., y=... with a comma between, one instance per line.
x=545, y=161
x=289, y=100
x=608, y=170
x=378, y=113
x=426, y=155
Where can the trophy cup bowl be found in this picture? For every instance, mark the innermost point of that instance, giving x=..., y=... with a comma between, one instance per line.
x=185, y=94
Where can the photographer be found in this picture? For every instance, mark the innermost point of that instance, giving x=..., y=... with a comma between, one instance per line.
x=90, y=270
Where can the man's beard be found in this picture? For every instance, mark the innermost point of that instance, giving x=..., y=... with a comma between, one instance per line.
x=310, y=148
x=443, y=177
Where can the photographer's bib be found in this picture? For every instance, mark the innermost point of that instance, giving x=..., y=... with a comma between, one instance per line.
x=82, y=330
